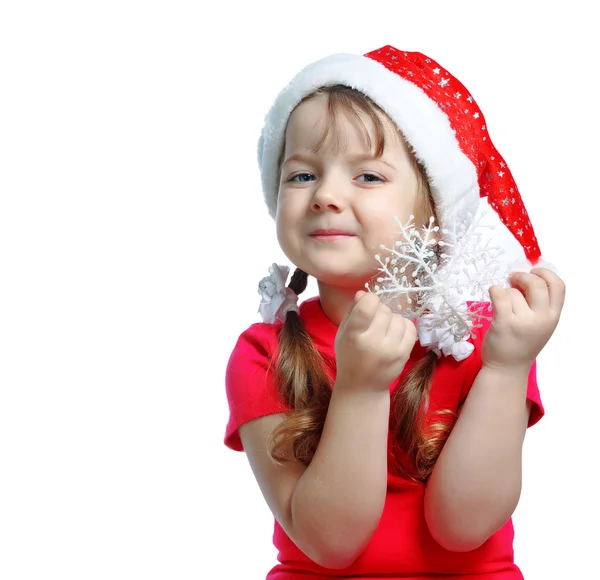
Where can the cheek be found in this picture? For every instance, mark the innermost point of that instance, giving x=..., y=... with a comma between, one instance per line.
x=386, y=235
x=379, y=225
x=284, y=225
x=291, y=209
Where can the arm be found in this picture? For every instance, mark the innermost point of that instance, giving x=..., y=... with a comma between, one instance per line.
x=476, y=483
x=331, y=508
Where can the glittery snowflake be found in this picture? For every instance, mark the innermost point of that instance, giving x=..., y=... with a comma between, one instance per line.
x=430, y=273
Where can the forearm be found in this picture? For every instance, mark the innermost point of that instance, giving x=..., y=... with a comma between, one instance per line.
x=476, y=483
x=338, y=501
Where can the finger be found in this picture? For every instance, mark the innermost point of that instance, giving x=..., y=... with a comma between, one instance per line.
x=359, y=295
x=501, y=302
x=556, y=287
x=401, y=330
x=396, y=329
x=409, y=336
x=518, y=301
x=381, y=321
x=356, y=300
x=534, y=289
x=361, y=314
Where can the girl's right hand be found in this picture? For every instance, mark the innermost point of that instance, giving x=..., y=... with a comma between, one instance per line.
x=372, y=344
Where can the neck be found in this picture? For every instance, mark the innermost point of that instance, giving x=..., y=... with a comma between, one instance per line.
x=336, y=300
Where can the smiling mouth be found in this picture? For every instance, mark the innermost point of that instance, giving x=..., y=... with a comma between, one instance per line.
x=331, y=238
x=331, y=235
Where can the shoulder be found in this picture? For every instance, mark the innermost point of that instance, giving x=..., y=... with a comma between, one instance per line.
x=258, y=336
x=250, y=383
x=254, y=350
x=259, y=341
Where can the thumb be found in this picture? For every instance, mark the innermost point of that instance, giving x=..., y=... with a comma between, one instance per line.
x=359, y=295
x=500, y=302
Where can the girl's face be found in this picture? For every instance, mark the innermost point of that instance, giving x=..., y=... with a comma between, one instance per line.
x=337, y=202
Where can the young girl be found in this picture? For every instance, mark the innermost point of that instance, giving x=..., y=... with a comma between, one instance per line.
x=381, y=455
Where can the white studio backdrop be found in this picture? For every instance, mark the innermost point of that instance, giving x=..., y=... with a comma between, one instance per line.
x=133, y=235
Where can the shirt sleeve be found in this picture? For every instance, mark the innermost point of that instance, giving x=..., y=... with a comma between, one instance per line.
x=473, y=366
x=249, y=381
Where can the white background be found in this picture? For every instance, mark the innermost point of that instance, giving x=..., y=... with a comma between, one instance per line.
x=133, y=235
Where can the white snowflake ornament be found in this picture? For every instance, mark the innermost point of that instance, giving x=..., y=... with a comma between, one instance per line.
x=430, y=274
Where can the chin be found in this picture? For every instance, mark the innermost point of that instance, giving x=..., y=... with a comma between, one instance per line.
x=343, y=277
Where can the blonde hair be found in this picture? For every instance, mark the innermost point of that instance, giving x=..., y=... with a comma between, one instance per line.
x=302, y=373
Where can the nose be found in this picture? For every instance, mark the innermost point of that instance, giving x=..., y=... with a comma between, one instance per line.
x=326, y=197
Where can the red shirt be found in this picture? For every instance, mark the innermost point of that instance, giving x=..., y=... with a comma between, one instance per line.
x=401, y=546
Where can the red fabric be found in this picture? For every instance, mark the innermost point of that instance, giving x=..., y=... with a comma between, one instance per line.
x=495, y=179
x=401, y=546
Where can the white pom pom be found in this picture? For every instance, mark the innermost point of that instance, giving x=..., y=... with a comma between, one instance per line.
x=526, y=266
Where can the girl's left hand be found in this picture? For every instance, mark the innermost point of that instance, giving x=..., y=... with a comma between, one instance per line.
x=525, y=317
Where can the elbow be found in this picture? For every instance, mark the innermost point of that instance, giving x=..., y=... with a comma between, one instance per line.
x=333, y=547
x=333, y=561
x=334, y=555
x=455, y=535
x=457, y=540
x=464, y=532
x=462, y=535
x=461, y=524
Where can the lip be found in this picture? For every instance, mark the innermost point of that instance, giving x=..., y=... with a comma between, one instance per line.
x=331, y=234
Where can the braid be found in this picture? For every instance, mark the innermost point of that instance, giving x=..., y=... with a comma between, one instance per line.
x=304, y=386
x=422, y=445
x=299, y=281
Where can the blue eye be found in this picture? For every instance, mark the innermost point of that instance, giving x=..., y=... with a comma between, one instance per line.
x=302, y=178
x=370, y=178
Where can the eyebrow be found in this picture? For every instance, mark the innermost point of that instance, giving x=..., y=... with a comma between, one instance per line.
x=297, y=157
x=354, y=158
x=370, y=157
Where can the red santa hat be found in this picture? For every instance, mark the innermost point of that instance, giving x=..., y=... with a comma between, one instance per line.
x=442, y=124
